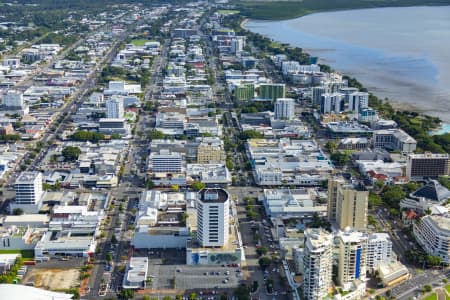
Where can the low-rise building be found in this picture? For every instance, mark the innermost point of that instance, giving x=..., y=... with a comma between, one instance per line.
x=136, y=273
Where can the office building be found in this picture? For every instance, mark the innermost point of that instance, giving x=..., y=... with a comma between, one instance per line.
x=284, y=109
x=213, y=217
x=136, y=273
x=352, y=257
x=12, y=100
x=210, y=151
x=432, y=232
x=114, y=108
x=317, y=264
x=165, y=161
x=272, y=91
x=394, y=139
x=379, y=250
x=427, y=165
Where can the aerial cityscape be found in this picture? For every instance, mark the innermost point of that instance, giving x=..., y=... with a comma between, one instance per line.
x=196, y=150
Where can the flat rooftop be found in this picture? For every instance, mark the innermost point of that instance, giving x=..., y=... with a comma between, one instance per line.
x=213, y=195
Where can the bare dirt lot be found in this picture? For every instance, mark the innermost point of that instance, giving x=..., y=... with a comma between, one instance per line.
x=53, y=278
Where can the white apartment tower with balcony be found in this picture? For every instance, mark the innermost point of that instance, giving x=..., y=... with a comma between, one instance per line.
x=284, y=109
x=29, y=192
x=115, y=108
x=317, y=264
x=213, y=207
x=352, y=257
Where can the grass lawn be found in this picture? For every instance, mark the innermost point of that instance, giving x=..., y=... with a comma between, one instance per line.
x=447, y=288
x=25, y=253
x=431, y=297
x=139, y=42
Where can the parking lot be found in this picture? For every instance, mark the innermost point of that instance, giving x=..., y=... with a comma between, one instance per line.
x=186, y=277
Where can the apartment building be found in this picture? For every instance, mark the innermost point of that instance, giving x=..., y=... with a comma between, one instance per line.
x=432, y=232
x=317, y=264
x=352, y=257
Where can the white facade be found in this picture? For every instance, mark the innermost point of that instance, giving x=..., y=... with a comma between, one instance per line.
x=164, y=161
x=28, y=188
x=352, y=257
x=358, y=101
x=284, y=109
x=13, y=100
x=379, y=250
x=213, y=217
x=432, y=232
x=331, y=102
x=317, y=264
x=114, y=108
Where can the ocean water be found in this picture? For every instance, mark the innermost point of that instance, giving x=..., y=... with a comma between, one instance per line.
x=399, y=53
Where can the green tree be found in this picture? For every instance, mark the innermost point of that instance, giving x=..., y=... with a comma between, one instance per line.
x=427, y=288
x=197, y=186
x=340, y=158
x=192, y=296
x=264, y=262
x=156, y=135
x=242, y=292
x=392, y=195
x=126, y=294
x=71, y=153
x=261, y=251
x=331, y=146
x=17, y=211
x=374, y=200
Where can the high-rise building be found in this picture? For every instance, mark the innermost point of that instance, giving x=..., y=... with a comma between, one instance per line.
x=379, y=250
x=284, y=109
x=272, y=91
x=114, y=108
x=347, y=204
x=317, y=93
x=358, y=101
x=331, y=102
x=213, y=207
x=352, y=257
x=237, y=44
x=28, y=188
x=427, y=165
x=333, y=184
x=317, y=264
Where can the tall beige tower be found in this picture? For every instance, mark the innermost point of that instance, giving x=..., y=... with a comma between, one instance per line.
x=347, y=204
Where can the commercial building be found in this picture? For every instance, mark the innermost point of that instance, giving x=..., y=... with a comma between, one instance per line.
x=347, y=204
x=292, y=203
x=114, y=125
x=432, y=232
x=427, y=165
x=211, y=150
x=18, y=291
x=136, y=273
x=284, y=109
x=213, y=217
x=115, y=107
x=352, y=257
x=272, y=91
x=394, y=139
x=317, y=264
x=392, y=273
x=12, y=100
x=165, y=161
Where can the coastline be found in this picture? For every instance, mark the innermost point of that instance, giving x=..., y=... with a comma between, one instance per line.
x=397, y=104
